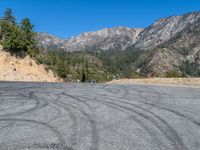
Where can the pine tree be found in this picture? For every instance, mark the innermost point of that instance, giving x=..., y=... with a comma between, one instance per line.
x=27, y=28
x=29, y=36
x=8, y=16
x=13, y=38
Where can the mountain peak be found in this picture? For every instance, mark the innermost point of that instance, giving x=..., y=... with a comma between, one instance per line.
x=105, y=39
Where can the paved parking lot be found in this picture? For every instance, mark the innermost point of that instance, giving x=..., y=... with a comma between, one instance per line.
x=42, y=116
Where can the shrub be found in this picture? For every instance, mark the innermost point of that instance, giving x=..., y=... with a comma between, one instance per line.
x=173, y=74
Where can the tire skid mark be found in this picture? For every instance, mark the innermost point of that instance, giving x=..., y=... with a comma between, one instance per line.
x=52, y=146
x=9, y=124
x=135, y=119
x=165, y=108
x=73, y=117
x=160, y=107
x=1, y=100
x=167, y=130
x=61, y=140
x=37, y=106
x=93, y=123
x=13, y=106
x=59, y=114
x=172, y=111
x=177, y=139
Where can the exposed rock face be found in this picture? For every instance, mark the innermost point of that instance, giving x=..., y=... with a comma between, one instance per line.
x=106, y=39
x=49, y=41
x=110, y=38
x=164, y=29
x=164, y=61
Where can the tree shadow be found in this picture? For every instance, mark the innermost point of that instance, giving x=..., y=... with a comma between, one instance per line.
x=17, y=54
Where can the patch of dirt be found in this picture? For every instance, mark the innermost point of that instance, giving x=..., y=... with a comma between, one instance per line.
x=160, y=81
x=26, y=69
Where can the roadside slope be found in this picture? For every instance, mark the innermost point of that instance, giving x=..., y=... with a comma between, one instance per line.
x=26, y=69
x=160, y=81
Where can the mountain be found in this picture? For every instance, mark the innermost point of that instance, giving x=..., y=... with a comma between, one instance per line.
x=170, y=47
x=164, y=29
x=49, y=41
x=106, y=39
x=121, y=38
x=181, y=53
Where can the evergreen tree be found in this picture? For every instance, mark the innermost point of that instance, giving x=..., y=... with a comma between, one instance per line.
x=29, y=35
x=8, y=16
x=12, y=37
x=19, y=38
x=26, y=25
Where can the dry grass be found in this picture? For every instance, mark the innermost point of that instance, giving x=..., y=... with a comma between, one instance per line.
x=160, y=81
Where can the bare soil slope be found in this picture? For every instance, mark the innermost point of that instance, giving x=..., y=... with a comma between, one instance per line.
x=26, y=69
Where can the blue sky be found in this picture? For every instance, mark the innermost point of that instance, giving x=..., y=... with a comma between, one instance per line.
x=66, y=18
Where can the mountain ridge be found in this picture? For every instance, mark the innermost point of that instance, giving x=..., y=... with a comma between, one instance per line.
x=122, y=37
x=168, y=47
x=104, y=39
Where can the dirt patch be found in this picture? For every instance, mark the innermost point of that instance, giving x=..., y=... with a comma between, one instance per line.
x=26, y=69
x=160, y=81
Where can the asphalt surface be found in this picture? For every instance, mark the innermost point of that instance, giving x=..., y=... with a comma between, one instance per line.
x=36, y=116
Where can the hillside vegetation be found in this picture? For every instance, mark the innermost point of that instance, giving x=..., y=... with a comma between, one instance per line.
x=75, y=66
x=18, y=46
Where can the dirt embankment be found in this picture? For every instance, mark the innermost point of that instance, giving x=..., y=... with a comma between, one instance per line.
x=26, y=69
x=161, y=81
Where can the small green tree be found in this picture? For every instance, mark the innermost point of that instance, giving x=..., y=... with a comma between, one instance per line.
x=29, y=37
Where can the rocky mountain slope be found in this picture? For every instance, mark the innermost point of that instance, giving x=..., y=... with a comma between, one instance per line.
x=110, y=38
x=180, y=53
x=121, y=38
x=170, y=46
x=49, y=41
x=26, y=69
x=164, y=29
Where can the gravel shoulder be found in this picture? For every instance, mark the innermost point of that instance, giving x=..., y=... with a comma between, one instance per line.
x=191, y=82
